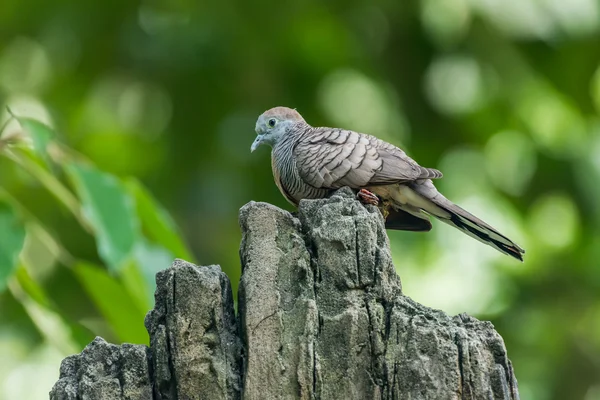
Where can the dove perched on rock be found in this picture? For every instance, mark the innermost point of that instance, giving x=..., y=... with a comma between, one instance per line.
x=309, y=163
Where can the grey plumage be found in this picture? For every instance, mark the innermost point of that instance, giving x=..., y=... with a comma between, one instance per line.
x=310, y=162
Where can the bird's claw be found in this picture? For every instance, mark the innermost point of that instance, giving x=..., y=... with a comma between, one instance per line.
x=366, y=197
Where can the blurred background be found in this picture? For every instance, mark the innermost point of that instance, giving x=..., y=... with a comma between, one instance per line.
x=148, y=112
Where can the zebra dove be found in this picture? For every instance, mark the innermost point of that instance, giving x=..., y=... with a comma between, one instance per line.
x=309, y=163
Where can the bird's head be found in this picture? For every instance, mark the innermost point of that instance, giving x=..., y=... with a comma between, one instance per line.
x=273, y=124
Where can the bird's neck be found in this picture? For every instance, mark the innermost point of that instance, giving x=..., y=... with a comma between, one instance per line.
x=292, y=137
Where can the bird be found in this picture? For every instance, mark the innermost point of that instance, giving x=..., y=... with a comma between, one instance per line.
x=312, y=162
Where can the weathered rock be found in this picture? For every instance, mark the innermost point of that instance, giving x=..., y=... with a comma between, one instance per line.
x=105, y=371
x=195, y=348
x=321, y=316
x=277, y=305
x=193, y=334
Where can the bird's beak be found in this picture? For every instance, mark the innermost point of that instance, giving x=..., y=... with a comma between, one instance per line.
x=257, y=142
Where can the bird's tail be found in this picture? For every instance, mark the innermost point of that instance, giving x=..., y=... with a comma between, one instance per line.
x=435, y=204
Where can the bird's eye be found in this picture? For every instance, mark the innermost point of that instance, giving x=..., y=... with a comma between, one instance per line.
x=272, y=122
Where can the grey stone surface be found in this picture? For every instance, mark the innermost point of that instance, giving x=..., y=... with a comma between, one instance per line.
x=105, y=371
x=194, y=353
x=321, y=316
x=193, y=335
x=277, y=305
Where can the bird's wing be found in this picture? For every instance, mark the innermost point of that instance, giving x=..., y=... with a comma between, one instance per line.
x=333, y=158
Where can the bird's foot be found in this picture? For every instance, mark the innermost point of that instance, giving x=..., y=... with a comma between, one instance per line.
x=366, y=197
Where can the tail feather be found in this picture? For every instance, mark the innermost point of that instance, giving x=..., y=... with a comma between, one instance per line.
x=463, y=220
x=484, y=234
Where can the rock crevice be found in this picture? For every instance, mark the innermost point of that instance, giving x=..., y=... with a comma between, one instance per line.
x=321, y=315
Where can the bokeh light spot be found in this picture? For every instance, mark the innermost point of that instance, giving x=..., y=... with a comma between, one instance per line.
x=511, y=161
x=454, y=85
x=593, y=393
x=575, y=17
x=354, y=101
x=24, y=66
x=464, y=172
x=119, y=104
x=145, y=108
x=40, y=363
x=446, y=21
x=554, y=221
x=543, y=19
x=556, y=124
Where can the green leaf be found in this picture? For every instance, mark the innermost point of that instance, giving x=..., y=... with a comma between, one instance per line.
x=31, y=288
x=12, y=238
x=156, y=221
x=25, y=159
x=114, y=302
x=139, y=275
x=110, y=210
x=66, y=334
x=136, y=284
x=49, y=323
x=151, y=258
x=41, y=134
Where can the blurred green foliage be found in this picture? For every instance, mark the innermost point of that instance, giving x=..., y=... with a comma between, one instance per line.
x=154, y=102
x=117, y=213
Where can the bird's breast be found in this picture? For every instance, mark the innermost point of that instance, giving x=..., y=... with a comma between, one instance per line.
x=281, y=185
